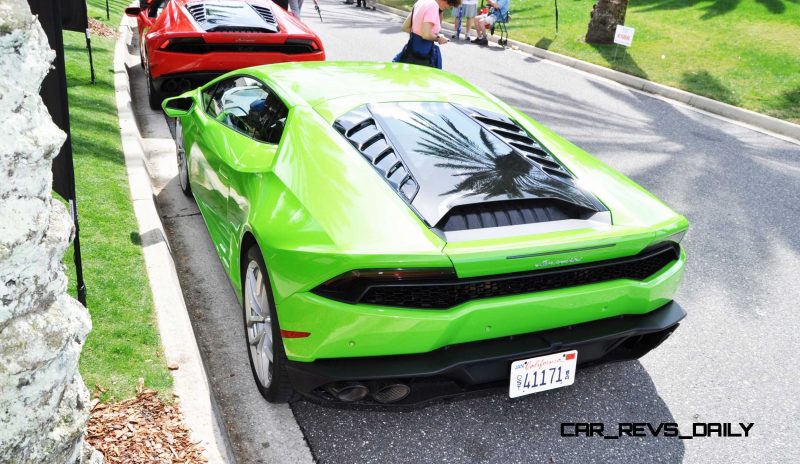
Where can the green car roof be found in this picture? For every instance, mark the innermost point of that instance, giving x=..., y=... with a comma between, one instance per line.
x=335, y=86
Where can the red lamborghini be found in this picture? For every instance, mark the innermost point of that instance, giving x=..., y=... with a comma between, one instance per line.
x=186, y=43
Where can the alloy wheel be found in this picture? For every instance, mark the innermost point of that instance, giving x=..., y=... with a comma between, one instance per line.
x=258, y=323
x=183, y=169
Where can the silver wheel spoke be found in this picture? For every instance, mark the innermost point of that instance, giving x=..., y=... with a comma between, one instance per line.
x=266, y=347
x=258, y=322
x=254, y=303
x=257, y=340
x=251, y=320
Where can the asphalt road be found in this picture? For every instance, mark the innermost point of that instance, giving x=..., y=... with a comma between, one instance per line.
x=730, y=361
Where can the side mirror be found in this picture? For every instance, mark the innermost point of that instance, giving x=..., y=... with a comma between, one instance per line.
x=177, y=106
x=133, y=11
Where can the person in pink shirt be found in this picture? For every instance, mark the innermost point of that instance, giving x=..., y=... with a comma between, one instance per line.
x=424, y=25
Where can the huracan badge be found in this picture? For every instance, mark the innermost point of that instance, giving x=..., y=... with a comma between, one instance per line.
x=558, y=262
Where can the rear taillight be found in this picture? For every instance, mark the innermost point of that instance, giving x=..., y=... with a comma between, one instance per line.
x=184, y=45
x=351, y=286
x=307, y=44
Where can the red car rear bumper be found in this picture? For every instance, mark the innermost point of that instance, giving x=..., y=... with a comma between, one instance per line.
x=178, y=72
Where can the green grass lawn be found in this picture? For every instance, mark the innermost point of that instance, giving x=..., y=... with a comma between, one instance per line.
x=124, y=343
x=742, y=52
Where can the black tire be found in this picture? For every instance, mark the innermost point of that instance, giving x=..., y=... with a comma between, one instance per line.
x=183, y=163
x=279, y=388
x=153, y=96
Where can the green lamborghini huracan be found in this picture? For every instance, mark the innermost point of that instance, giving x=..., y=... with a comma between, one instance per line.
x=397, y=234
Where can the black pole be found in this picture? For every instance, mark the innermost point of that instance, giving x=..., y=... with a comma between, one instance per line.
x=108, y=14
x=54, y=96
x=91, y=61
x=556, y=1
x=76, y=247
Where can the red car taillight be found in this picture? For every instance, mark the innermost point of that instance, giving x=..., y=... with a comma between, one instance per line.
x=183, y=45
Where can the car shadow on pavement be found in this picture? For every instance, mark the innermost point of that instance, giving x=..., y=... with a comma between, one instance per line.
x=494, y=428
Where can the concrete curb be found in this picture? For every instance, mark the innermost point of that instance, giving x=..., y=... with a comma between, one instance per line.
x=191, y=383
x=768, y=123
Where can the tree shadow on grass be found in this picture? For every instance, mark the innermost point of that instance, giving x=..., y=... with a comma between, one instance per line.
x=703, y=83
x=713, y=8
x=619, y=59
x=787, y=105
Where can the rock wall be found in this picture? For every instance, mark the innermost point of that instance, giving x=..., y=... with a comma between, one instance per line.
x=44, y=404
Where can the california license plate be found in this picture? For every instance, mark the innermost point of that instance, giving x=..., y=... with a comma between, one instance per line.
x=543, y=373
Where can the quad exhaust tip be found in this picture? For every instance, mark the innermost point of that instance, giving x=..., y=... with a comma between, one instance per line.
x=348, y=392
x=390, y=392
x=380, y=392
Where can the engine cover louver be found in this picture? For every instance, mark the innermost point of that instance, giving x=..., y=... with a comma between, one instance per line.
x=233, y=16
x=515, y=136
x=198, y=11
x=360, y=129
x=462, y=169
x=265, y=14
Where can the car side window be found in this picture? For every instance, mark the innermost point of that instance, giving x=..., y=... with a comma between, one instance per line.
x=272, y=120
x=247, y=106
x=207, y=95
x=156, y=8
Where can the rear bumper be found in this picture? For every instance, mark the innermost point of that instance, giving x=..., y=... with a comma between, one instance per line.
x=343, y=330
x=162, y=64
x=485, y=364
x=175, y=84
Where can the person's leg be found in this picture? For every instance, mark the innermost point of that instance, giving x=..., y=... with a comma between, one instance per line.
x=489, y=23
x=470, y=13
x=480, y=29
x=486, y=22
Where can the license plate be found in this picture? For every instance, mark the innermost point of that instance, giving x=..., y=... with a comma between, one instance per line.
x=543, y=373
